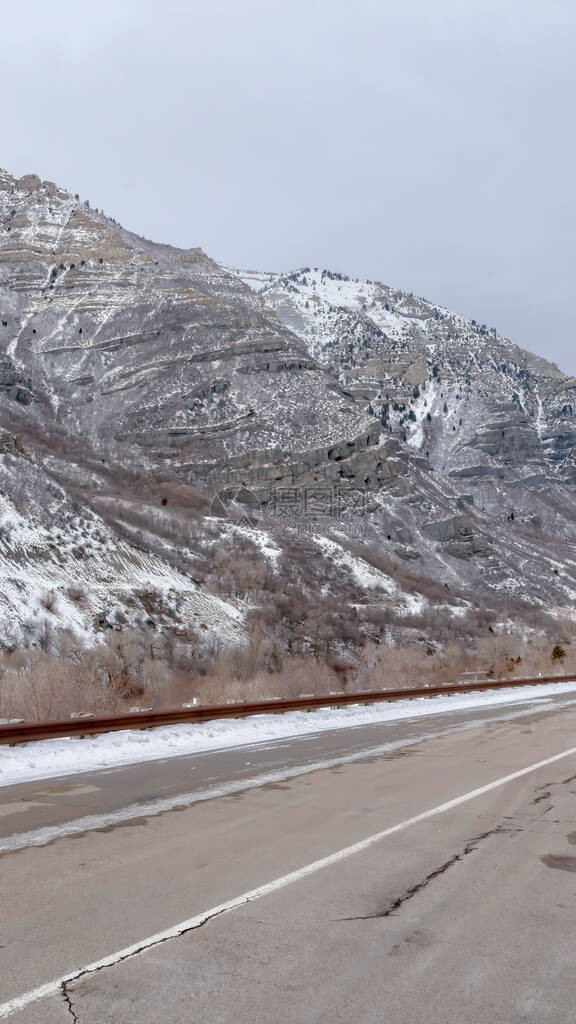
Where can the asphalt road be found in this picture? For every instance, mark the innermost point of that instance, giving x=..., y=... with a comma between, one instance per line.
x=466, y=915
x=127, y=792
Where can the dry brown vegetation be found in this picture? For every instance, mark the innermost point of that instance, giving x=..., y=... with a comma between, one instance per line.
x=127, y=669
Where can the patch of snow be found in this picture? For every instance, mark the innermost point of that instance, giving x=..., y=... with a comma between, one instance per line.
x=365, y=575
x=540, y=418
x=414, y=603
x=259, y=538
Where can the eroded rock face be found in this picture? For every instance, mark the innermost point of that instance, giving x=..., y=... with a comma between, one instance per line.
x=362, y=463
x=457, y=536
x=449, y=529
x=452, y=388
x=152, y=346
x=512, y=439
x=14, y=383
x=10, y=444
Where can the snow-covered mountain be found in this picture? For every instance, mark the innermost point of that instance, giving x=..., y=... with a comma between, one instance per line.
x=193, y=449
x=459, y=393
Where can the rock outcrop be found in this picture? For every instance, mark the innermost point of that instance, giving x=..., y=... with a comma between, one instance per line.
x=146, y=345
x=449, y=386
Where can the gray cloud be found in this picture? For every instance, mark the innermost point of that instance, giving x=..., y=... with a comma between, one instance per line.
x=428, y=145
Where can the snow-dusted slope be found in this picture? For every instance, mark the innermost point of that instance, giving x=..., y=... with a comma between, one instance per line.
x=64, y=569
x=457, y=391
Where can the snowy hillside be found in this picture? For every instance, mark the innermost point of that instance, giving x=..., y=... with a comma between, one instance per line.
x=298, y=462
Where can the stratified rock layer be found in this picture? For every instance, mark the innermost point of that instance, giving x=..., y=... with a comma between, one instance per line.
x=152, y=346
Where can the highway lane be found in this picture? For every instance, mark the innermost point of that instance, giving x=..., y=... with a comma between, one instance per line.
x=128, y=791
x=426, y=924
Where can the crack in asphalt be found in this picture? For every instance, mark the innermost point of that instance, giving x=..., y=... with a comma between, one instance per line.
x=413, y=891
x=68, y=1001
x=176, y=934
x=471, y=845
x=87, y=971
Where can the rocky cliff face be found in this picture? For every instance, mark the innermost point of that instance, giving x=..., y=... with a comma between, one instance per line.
x=478, y=408
x=486, y=423
x=152, y=346
x=385, y=450
x=409, y=358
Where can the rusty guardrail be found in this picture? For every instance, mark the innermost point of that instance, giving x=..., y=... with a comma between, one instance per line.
x=24, y=732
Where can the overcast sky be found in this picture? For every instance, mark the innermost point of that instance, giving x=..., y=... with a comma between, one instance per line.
x=428, y=144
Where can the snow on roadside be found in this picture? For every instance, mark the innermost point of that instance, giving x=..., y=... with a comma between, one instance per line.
x=49, y=758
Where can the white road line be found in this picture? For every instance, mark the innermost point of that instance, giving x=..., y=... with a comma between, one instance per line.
x=55, y=987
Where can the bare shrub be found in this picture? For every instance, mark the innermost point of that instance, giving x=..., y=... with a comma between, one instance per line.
x=295, y=646
x=49, y=601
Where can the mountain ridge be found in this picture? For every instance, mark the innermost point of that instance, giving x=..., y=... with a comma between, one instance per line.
x=383, y=341
x=408, y=471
